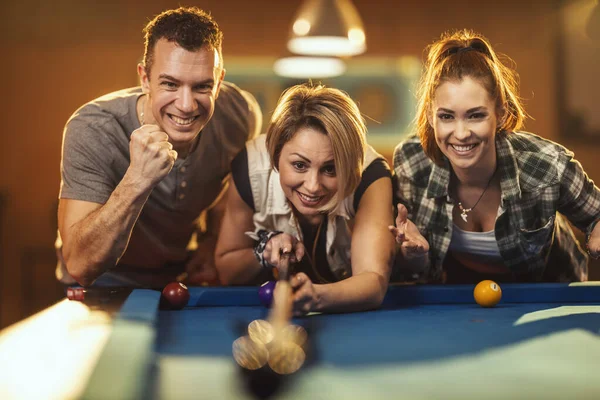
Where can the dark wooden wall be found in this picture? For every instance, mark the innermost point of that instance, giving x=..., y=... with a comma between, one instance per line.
x=57, y=55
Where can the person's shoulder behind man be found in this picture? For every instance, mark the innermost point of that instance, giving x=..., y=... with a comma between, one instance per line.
x=237, y=112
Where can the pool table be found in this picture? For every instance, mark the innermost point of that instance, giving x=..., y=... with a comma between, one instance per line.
x=426, y=342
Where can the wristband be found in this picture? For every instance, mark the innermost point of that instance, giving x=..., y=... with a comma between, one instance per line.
x=263, y=238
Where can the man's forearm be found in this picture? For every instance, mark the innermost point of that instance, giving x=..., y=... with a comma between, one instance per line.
x=98, y=241
x=237, y=267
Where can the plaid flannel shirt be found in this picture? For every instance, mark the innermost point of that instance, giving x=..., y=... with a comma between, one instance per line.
x=541, y=184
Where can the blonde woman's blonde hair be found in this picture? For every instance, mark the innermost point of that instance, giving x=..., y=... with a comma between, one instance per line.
x=331, y=112
x=461, y=54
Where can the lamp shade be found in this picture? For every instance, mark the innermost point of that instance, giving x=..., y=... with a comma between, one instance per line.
x=327, y=28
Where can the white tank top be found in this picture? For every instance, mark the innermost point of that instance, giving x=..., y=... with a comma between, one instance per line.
x=480, y=244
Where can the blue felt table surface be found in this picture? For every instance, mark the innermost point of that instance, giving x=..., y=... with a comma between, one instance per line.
x=415, y=322
x=406, y=334
x=421, y=336
x=420, y=294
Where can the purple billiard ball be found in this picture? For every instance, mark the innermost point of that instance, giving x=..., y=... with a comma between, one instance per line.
x=265, y=293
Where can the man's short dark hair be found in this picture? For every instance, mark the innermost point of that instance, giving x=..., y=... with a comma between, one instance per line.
x=189, y=27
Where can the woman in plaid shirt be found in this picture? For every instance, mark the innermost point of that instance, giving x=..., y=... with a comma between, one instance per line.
x=478, y=199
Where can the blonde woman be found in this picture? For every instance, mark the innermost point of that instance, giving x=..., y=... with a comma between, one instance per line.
x=311, y=186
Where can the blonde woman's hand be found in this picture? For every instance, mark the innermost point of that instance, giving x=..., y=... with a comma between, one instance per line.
x=283, y=243
x=305, y=297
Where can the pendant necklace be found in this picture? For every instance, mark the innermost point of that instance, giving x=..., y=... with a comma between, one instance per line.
x=312, y=258
x=465, y=211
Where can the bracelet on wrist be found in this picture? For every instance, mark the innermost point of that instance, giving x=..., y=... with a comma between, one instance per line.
x=263, y=238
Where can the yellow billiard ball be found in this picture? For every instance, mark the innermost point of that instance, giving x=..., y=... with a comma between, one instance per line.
x=487, y=293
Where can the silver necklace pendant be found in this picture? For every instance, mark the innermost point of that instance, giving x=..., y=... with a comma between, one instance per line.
x=464, y=216
x=464, y=211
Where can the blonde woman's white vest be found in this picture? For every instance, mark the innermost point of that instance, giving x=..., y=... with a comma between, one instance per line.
x=273, y=212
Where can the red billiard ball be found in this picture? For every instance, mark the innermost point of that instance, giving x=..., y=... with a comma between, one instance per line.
x=265, y=293
x=175, y=296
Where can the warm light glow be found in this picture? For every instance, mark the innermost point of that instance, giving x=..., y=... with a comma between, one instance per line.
x=555, y=312
x=330, y=28
x=57, y=349
x=409, y=66
x=309, y=67
x=301, y=27
x=356, y=36
x=325, y=46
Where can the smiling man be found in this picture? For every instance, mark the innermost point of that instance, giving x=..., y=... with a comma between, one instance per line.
x=143, y=168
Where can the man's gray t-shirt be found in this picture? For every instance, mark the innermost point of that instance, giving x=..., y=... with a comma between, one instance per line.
x=95, y=157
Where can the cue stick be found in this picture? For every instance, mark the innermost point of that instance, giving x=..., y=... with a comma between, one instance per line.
x=281, y=310
x=283, y=354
